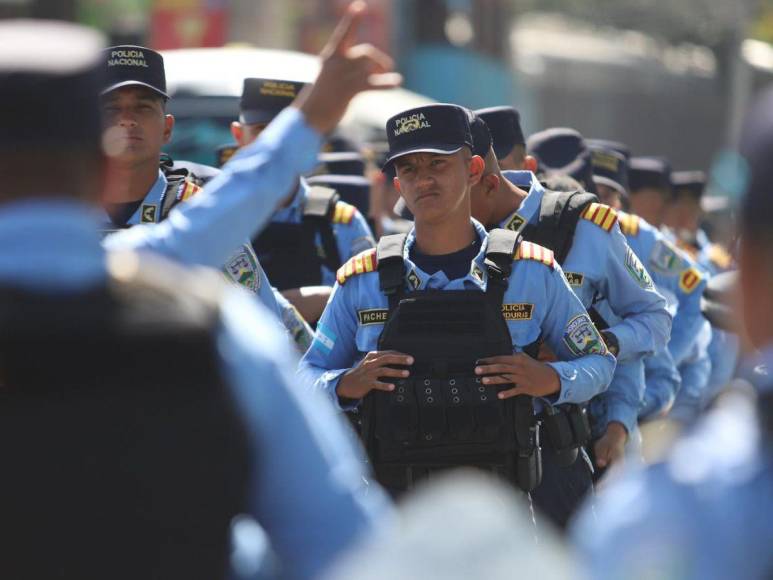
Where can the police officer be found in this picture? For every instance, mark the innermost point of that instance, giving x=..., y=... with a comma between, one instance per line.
x=704, y=512
x=438, y=370
x=141, y=189
x=134, y=413
x=313, y=233
x=509, y=143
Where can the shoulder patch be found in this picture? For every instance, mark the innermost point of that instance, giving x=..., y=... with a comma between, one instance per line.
x=360, y=264
x=720, y=257
x=187, y=190
x=689, y=279
x=601, y=215
x=530, y=251
x=344, y=213
x=629, y=223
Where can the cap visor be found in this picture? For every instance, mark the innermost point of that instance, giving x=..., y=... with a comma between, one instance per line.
x=440, y=148
x=136, y=84
x=257, y=117
x=600, y=180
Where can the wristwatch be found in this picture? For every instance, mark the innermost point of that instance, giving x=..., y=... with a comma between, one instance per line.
x=612, y=345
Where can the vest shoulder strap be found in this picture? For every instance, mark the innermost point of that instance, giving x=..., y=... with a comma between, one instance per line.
x=320, y=203
x=181, y=185
x=362, y=263
x=500, y=249
x=629, y=223
x=532, y=251
x=389, y=255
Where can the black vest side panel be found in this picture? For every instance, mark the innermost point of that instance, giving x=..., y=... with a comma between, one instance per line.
x=123, y=455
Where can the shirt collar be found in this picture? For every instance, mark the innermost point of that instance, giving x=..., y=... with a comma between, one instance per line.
x=528, y=211
x=154, y=198
x=476, y=278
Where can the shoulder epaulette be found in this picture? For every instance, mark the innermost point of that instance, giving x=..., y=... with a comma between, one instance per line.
x=720, y=256
x=362, y=263
x=629, y=223
x=344, y=213
x=601, y=215
x=530, y=251
x=187, y=190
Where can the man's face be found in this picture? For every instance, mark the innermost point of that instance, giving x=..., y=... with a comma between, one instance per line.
x=136, y=126
x=683, y=214
x=245, y=134
x=514, y=160
x=436, y=186
x=609, y=196
x=650, y=204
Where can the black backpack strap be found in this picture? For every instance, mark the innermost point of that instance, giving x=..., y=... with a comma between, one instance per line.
x=559, y=213
x=500, y=251
x=391, y=269
x=319, y=210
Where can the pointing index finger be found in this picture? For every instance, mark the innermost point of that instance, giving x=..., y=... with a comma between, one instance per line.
x=344, y=33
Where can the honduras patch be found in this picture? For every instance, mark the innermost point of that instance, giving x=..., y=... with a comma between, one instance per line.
x=243, y=269
x=325, y=339
x=582, y=337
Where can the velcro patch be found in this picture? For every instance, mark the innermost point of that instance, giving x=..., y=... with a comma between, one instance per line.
x=372, y=316
x=530, y=251
x=690, y=279
x=601, y=215
x=629, y=223
x=514, y=223
x=574, y=278
x=359, y=264
x=344, y=213
x=519, y=311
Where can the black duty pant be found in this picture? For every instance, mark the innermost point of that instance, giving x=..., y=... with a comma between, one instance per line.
x=563, y=489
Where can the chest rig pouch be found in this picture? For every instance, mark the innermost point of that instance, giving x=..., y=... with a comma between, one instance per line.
x=289, y=253
x=443, y=416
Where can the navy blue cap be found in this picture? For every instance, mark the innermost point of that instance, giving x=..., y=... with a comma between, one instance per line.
x=561, y=150
x=756, y=147
x=438, y=128
x=610, y=145
x=505, y=126
x=353, y=189
x=609, y=168
x=129, y=65
x=481, y=136
x=688, y=183
x=51, y=74
x=344, y=163
x=264, y=99
x=649, y=172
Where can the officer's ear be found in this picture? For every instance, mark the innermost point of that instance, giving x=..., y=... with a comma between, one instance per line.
x=477, y=166
x=490, y=183
x=168, y=127
x=237, y=131
x=530, y=163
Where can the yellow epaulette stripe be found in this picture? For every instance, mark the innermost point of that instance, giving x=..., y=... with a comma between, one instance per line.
x=344, y=213
x=530, y=251
x=190, y=190
x=629, y=223
x=601, y=215
x=362, y=263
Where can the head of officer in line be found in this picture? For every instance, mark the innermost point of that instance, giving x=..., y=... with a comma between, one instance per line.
x=134, y=114
x=610, y=176
x=262, y=100
x=508, y=141
x=649, y=180
x=683, y=213
x=431, y=151
x=562, y=151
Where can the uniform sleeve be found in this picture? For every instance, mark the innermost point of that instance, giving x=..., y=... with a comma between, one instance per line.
x=585, y=366
x=646, y=323
x=309, y=488
x=333, y=350
x=237, y=203
x=695, y=371
x=662, y=382
x=687, y=322
x=296, y=325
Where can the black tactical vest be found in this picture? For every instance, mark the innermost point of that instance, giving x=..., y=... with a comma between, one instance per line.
x=122, y=453
x=288, y=252
x=443, y=415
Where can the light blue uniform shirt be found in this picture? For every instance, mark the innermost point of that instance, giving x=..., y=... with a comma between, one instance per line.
x=556, y=314
x=703, y=514
x=351, y=238
x=307, y=488
x=600, y=266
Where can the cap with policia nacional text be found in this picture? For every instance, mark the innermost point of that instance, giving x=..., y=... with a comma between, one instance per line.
x=562, y=151
x=649, y=173
x=504, y=123
x=129, y=65
x=609, y=168
x=51, y=75
x=264, y=99
x=439, y=128
x=688, y=183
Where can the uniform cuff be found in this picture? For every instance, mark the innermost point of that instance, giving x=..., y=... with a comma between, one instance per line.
x=626, y=341
x=622, y=412
x=330, y=380
x=569, y=392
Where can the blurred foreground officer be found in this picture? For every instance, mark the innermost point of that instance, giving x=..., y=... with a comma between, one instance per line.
x=140, y=409
x=429, y=332
x=313, y=232
x=705, y=512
